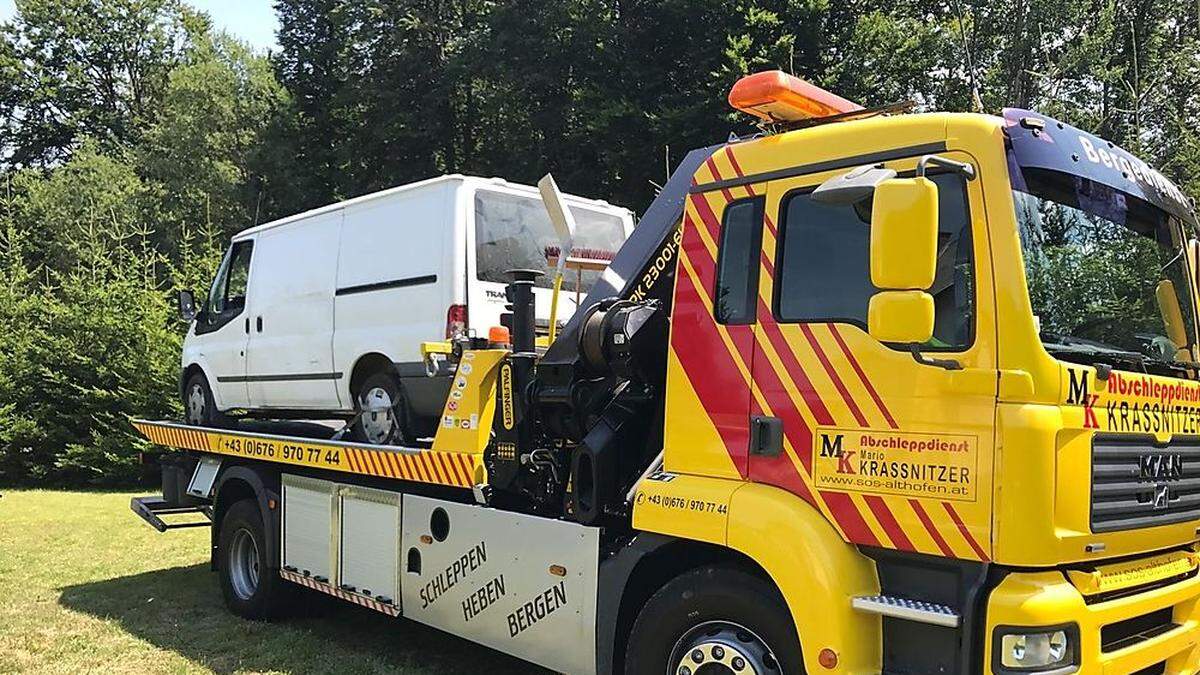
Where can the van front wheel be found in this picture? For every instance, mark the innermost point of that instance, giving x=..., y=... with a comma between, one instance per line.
x=199, y=408
x=379, y=403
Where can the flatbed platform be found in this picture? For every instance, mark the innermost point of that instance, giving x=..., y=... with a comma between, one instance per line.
x=421, y=465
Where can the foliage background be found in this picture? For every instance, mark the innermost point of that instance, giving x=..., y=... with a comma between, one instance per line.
x=134, y=138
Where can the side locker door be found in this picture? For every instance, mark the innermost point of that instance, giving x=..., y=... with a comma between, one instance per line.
x=707, y=425
x=895, y=453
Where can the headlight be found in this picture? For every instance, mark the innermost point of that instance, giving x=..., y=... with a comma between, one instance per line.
x=1037, y=650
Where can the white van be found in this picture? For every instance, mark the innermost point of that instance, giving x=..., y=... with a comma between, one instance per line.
x=323, y=313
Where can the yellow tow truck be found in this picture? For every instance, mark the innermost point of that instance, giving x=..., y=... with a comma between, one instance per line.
x=867, y=391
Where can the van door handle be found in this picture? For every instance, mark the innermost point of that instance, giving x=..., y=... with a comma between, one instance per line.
x=247, y=325
x=258, y=324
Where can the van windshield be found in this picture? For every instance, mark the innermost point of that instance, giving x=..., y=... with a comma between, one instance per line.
x=514, y=232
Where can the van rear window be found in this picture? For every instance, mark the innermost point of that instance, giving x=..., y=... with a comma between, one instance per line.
x=514, y=232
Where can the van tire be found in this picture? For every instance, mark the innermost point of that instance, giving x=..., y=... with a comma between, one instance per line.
x=740, y=613
x=367, y=426
x=250, y=584
x=199, y=406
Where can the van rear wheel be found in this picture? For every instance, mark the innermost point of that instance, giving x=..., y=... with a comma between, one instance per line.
x=380, y=407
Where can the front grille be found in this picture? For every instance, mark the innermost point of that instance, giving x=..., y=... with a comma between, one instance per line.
x=1136, y=483
x=1129, y=632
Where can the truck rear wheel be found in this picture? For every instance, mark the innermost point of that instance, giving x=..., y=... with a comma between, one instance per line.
x=251, y=585
x=714, y=620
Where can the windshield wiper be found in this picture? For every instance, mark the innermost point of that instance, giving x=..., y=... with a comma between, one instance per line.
x=1089, y=352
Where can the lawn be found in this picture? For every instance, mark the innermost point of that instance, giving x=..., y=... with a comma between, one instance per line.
x=85, y=586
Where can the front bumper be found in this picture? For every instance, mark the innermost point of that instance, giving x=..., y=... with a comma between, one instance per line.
x=1152, y=629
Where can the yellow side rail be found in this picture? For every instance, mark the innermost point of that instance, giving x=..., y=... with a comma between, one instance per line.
x=451, y=469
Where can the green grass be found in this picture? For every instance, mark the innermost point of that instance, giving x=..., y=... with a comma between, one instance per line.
x=85, y=586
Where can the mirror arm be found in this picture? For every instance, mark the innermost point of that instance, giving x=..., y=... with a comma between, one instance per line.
x=963, y=168
x=948, y=364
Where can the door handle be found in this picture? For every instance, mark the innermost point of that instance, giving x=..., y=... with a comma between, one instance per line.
x=766, y=436
x=258, y=324
x=247, y=325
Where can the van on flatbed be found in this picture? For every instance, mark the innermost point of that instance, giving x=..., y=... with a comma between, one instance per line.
x=323, y=313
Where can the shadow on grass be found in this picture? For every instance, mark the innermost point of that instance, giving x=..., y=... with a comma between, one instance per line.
x=181, y=610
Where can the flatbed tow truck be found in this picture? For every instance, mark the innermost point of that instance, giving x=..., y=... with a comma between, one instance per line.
x=808, y=420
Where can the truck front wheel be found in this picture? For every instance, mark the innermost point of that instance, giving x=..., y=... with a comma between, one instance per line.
x=714, y=620
x=252, y=586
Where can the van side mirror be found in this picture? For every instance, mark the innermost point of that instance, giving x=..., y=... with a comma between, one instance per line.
x=904, y=228
x=187, y=306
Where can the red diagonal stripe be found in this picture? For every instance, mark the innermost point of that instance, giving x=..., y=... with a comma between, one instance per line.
x=712, y=166
x=833, y=375
x=710, y=368
x=852, y=522
x=962, y=527
x=446, y=472
x=419, y=469
x=932, y=529
x=862, y=376
x=737, y=168
x=460, y=473
x=393, y=464
x=889, y=523
x=791, y=365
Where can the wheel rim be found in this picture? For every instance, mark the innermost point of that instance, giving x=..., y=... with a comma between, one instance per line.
x=721, y=647
x=378, y=417
x=197, y=404
x=244, y=564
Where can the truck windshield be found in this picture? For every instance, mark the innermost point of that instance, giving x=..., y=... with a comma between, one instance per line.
x=1107, y=274
x=515, y=232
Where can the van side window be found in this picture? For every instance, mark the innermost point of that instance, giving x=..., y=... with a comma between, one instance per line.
x=228, y=294
x=824, y=264
x=736, y=292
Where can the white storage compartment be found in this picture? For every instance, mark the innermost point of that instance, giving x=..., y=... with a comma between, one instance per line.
x=370, y=543
x=307, y=516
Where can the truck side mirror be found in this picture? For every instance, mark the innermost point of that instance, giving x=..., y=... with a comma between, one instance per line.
x=904, y=228
x=187, y=306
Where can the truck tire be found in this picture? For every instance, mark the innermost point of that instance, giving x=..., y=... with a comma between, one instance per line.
x=714, y=619
x=384, y=427
x=199, y=407
x=250, y=583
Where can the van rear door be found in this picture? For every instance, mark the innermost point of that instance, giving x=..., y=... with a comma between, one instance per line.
x=512, y=231
x=289, y=358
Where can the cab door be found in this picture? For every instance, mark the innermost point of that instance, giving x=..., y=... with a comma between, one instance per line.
x=896, y=453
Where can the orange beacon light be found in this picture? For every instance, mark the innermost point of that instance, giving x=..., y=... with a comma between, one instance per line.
x=775, y=96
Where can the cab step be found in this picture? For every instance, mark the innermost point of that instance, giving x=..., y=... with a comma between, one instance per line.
x=904, y=608
x=152, y=508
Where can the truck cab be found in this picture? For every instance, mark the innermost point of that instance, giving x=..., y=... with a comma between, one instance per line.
x=985, y=383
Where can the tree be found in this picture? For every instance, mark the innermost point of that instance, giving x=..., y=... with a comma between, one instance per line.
x=78, y=68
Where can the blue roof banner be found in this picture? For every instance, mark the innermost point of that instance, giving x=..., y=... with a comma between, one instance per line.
x=1042, y=142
